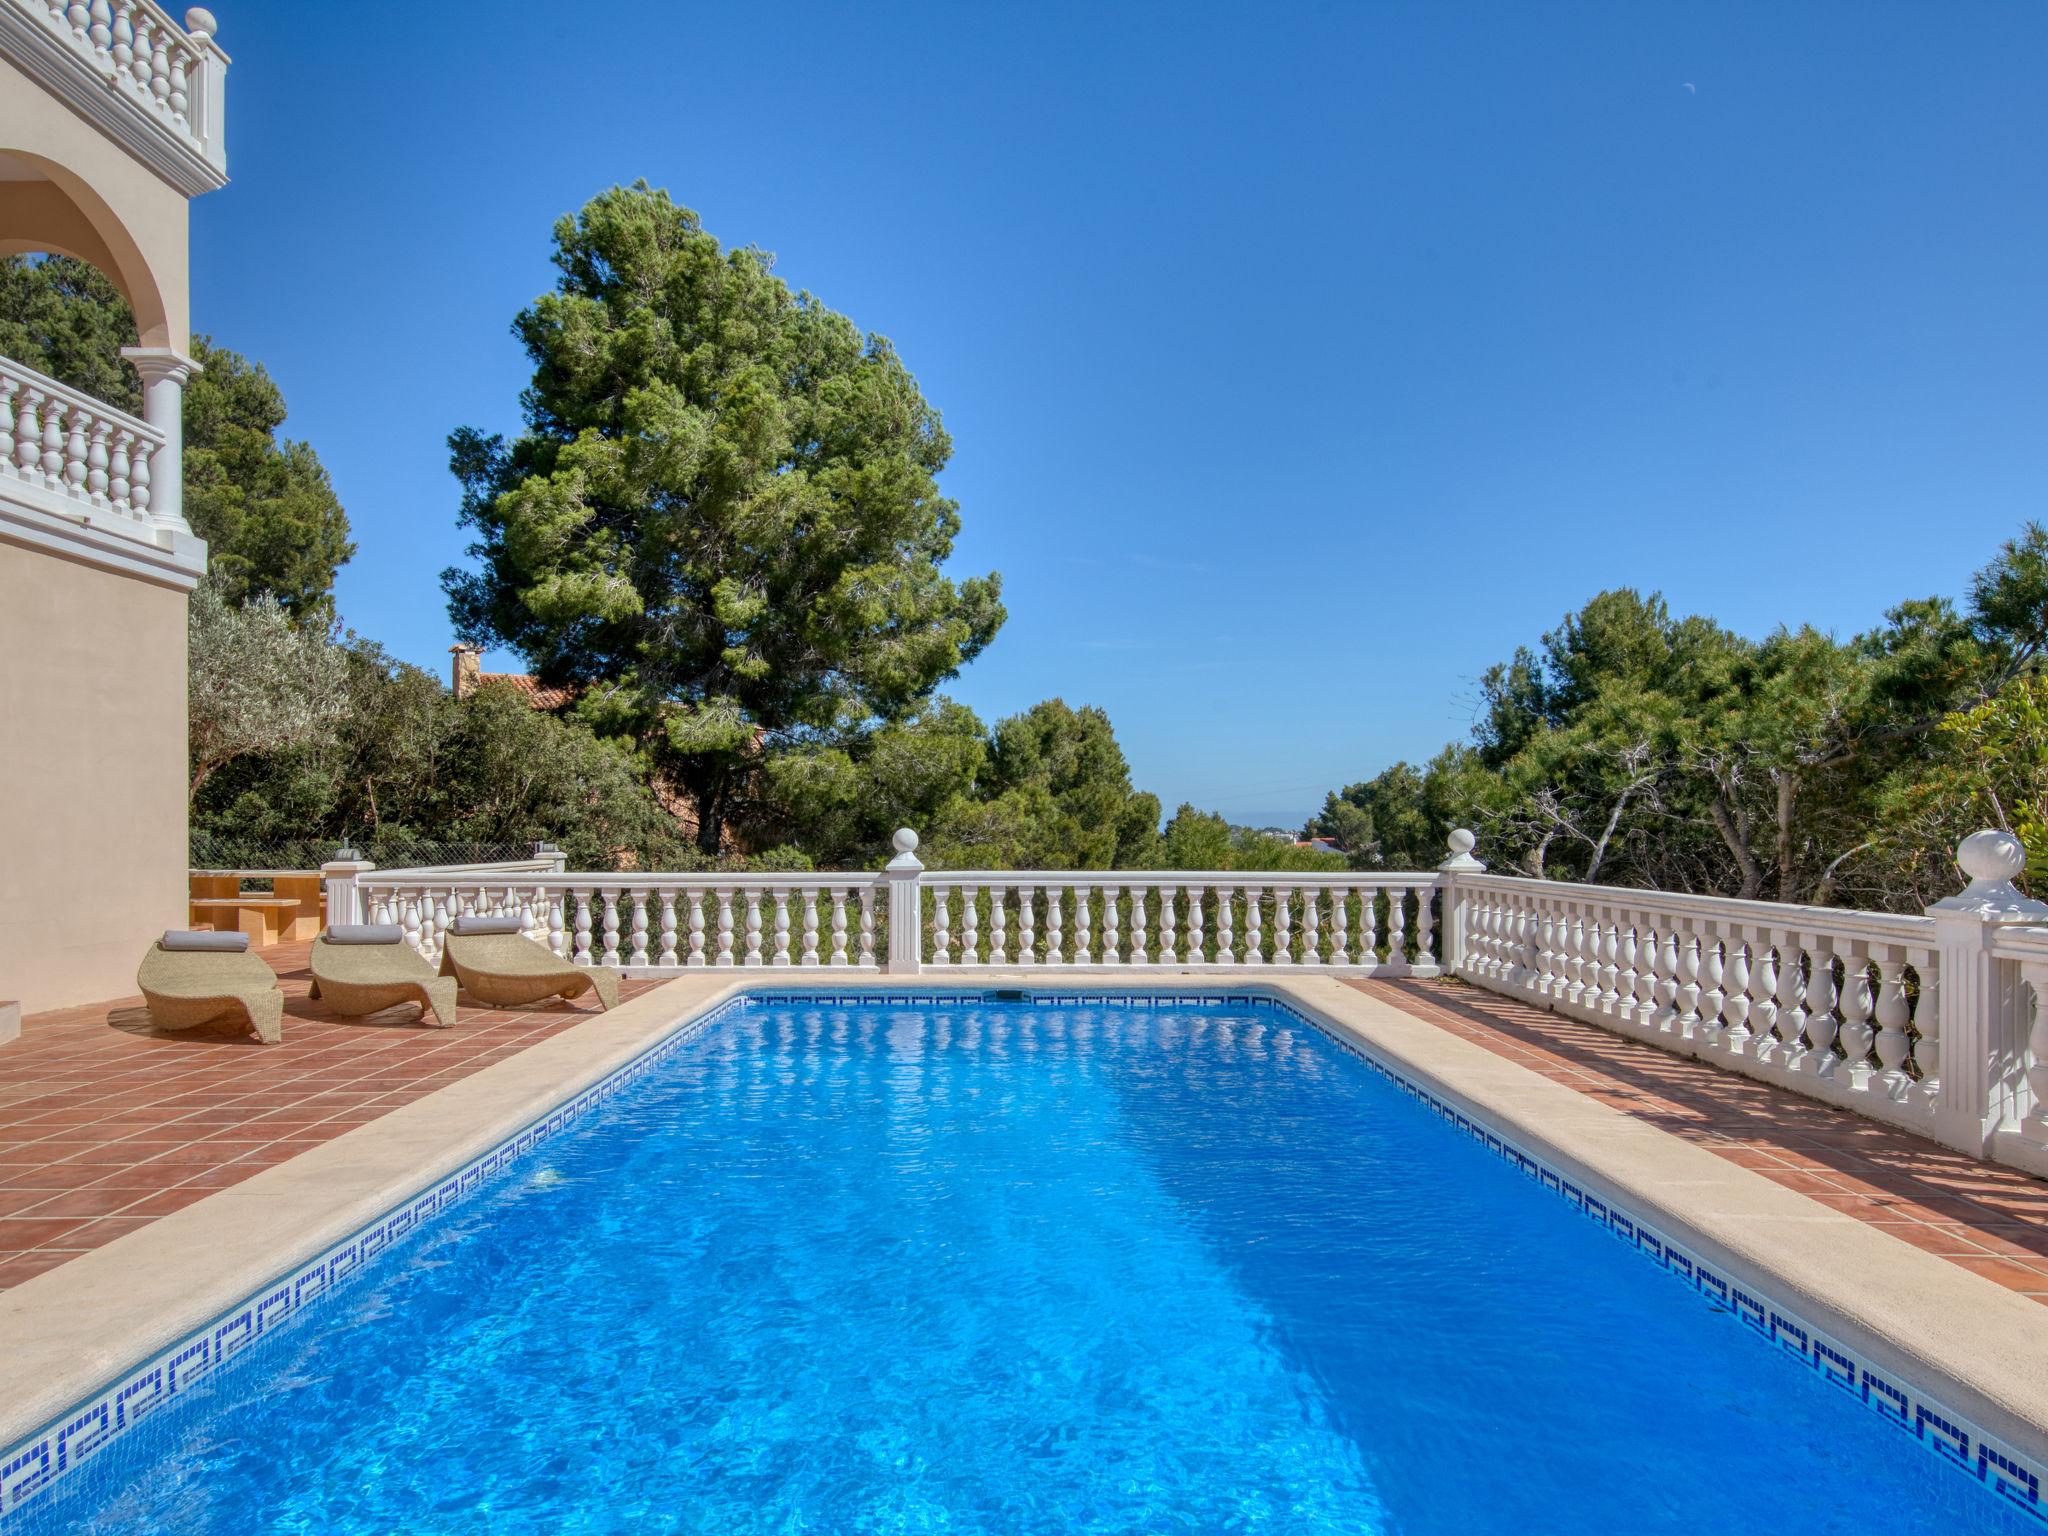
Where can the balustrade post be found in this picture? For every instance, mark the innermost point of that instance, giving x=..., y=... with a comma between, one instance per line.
x=338, y=880
x=1983, y=1025
x=1451, y=930
x=903, y=877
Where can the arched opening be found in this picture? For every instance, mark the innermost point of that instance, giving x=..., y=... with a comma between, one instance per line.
x=48, y=209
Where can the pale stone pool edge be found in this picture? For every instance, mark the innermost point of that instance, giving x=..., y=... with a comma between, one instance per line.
x=1979, y=1347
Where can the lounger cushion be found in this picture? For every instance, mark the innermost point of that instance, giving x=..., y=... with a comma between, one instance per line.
x=230, y=943
x=473, y=924
x=365, y=933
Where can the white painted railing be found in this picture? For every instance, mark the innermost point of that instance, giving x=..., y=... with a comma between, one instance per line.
x=134, y=53
x=1361, y=923
x=1925, y=1022
x=68, y=453
x=647, y=924
x=1841, y=1006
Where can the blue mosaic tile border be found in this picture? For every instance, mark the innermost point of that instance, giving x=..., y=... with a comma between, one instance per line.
x=67, y=1443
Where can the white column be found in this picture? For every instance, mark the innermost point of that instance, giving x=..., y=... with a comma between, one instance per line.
x=1983, y=1015
x=1451, y=934
x=164, y=373
x=906, y=906
x=344, y=899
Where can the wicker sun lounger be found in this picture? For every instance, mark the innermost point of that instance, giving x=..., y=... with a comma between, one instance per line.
x=362, y=970
x=186, y=986
x=505, y=968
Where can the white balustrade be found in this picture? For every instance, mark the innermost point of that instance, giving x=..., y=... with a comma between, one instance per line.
x=132, y=51
x=1749, y=985
x=1935, y=1023
x=74, y=454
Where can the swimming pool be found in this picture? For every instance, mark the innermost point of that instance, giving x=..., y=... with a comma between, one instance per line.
x=976, y=1265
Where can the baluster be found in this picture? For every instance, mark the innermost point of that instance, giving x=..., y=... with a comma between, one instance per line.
x=780, y=902
x=668, y=930
x=1397, y=932
x=580, y=953
x=1791, y=1008
x=1197, y=954
x=1169, y=946
x=139, y=476
x=1686, y=996
x=52, y=459
x=809, y=900
x=1027, y=941
x=1425, y=930
x=1625, y=957
x=1894, y=1011
x=1666, y=1017
x=1735, y=983
x=1136, y=904
x=867, y=925
x=1283, y=926
x=1055, y=945
x=28, y=432
x=414, y=920
x=1927, y=1021
x=100, y=26
x=1226, y=901
x=1082, y=901
x=1854, y=1036
x=942, y=924
x=750, y=903
x=1820, y=1003
x=839, y=899
x=636, y=917
x=1712, y=969
x=558, y=925
x=970, y=925
x=1311, y=926
x=1254, y=941
x=74, y=449
x=608, y=906
x=998, y=925
x=1340, y=926
x=1610, y=967
x=1112, y=924
x=119, y=487
x=122, y=46
x=1763, y=992
x=725, y=927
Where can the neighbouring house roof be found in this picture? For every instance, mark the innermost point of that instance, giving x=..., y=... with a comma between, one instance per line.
x=470, y=676
x=536, y=693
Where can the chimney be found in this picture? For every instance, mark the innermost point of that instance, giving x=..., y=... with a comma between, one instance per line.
x=469, y=664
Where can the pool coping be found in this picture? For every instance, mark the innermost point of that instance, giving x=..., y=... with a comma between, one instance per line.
x=77, y=1330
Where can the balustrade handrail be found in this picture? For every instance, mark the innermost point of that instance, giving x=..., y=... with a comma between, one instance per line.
x=1178, y=879
x=1897, y=927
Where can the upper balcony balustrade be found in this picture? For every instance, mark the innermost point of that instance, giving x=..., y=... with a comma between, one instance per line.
x=134, y=73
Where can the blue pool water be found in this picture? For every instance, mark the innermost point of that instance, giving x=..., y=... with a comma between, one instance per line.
x=1001, y=1268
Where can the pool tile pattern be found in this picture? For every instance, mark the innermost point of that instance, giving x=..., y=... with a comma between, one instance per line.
x=1982, y=1217
x=107, y=1124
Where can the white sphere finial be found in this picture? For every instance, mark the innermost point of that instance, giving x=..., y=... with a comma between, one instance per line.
x=200, y=23
x=1991, y=855
x=905, y=840
x=1991, y=859
x=1461, y=843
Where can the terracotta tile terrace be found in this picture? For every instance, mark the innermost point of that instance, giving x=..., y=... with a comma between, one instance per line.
x=1987, y=1218
x=106, y=1124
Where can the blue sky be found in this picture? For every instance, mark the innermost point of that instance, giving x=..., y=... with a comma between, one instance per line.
x=1300, y=361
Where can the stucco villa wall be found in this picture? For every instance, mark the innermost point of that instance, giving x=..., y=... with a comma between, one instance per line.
x=99, y=204
x=92, y=777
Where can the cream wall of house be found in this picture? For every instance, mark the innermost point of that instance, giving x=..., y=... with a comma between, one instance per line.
x=88, y=197
x=93, y=844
